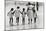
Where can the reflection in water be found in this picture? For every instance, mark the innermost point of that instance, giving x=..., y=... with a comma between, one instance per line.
x=35, y=26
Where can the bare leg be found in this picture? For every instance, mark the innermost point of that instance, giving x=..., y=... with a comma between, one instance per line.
x=35, y=20
x=29, y=21
x=23, y=20
x=11, y=21
x=17, y=20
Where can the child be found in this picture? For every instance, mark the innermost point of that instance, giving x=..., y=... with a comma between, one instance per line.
x=23, y=15
x=17, y=14
x=10, y=14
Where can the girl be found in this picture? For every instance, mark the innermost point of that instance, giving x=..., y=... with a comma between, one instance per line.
x=10, y=14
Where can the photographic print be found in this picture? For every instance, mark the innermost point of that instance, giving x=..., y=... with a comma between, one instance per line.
x=23, y=15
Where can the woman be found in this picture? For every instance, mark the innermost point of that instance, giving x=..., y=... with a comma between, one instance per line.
x=30, y=15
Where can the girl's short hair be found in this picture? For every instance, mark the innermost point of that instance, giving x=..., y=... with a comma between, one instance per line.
x=18, y=7
x=12, y=9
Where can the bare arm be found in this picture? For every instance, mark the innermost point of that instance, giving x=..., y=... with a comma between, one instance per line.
x=8, y=13
x=13, y=12
x=20, y=12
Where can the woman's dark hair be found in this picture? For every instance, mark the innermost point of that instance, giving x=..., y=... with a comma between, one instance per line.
x=12, y=9
x=18, y=7
x=29, y=3
x=37, y=5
